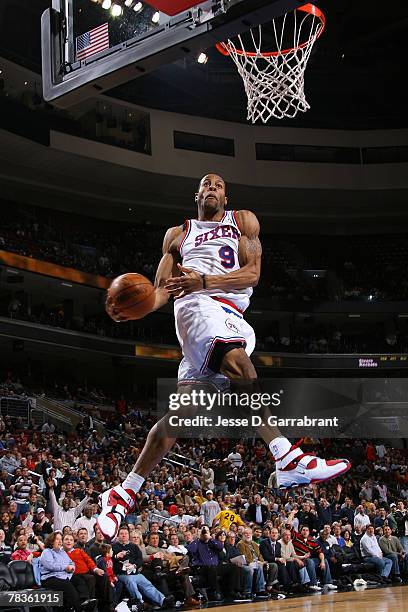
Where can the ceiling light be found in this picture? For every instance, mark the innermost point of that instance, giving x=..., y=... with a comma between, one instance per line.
x=106, y=4
x=156, y=17
x=138, y=7
x=202, y=58
x=116, y=10
x=128, y=2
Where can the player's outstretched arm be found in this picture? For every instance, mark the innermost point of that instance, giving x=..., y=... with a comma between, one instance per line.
x=167, y=266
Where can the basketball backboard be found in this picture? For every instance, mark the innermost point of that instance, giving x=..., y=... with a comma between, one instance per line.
x=91, y=46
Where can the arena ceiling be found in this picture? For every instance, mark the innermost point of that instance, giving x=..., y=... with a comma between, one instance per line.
x=355, y=78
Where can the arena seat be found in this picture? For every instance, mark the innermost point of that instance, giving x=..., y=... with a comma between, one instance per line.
x=5, y=574
x=23, y=575
x=23, y=579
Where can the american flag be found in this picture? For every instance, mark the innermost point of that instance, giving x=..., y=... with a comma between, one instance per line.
x=92, y=42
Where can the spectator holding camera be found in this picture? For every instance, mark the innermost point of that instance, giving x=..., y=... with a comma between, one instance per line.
x=22, y=552
x=41, y=523
x=205, y=559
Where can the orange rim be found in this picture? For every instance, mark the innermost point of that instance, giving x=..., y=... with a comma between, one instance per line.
x=226, y=49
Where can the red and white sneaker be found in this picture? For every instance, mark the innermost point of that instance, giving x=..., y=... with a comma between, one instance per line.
x=297, y=469
x=116, y=504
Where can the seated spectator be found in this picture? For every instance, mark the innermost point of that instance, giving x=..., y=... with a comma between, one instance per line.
x=7, y=526
x=361, y=519
x=204, y=553
x=87, y=570
x=289, y=554
x=339, y=539
x=233, y=553
x=357, y=534
x=392, y=549
x=22, y=552
x=348, y=542
x=82, y=538
x=57, y=572
x=142, y=521
x=381, y=519
x=255, y=561
x=179, y=568
x=94, y=546
x=372, y=553
x=401, y=518
x=136, y=538
x=271, y=550
x=87, y=521
x=327, y=532
x=257, y=512
x=328, y=551
x=311, y=554
x=157, y=564
x=256, y=534
x=127, y=562
x=5, y=549
x=182, y=517
x=41, y=524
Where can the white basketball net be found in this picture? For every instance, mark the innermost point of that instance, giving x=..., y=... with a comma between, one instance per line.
x=274, y=84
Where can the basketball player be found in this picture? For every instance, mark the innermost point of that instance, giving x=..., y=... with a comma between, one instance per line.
x=209, y=266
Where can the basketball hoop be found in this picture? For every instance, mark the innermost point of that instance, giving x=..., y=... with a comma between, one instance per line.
x=274, y=79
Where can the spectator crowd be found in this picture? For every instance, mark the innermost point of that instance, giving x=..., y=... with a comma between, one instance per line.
x=209, y=524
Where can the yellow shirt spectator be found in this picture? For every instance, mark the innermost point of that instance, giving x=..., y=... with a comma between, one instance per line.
x=226, y=518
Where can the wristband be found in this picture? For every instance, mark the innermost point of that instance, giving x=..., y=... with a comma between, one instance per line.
x=204, y=281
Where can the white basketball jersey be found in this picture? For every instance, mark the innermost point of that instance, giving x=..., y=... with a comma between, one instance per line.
x=211, y=247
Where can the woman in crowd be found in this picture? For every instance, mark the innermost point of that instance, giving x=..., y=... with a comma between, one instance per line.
x=136, y=538
x=7, y=527
x=57, y=571
x=347, y=538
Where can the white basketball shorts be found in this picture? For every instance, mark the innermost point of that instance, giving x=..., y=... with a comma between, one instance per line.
x=201, y=323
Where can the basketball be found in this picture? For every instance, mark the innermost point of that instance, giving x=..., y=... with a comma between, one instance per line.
x=130, y=297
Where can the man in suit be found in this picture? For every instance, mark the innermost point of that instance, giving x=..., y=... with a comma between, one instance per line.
x=271, y=551
x=257, y=512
